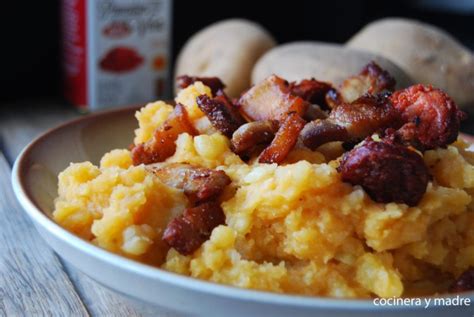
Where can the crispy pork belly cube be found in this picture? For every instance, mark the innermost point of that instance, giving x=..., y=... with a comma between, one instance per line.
x=271, y=100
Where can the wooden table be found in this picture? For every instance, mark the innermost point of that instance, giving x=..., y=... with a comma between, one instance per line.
x=34, y=281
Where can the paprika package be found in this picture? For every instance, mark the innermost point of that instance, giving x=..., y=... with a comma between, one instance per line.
x=116, y=52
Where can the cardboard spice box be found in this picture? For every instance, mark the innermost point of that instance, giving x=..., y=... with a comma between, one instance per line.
x=116, y=52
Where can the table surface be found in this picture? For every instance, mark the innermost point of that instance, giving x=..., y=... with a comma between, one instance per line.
x=34, y=281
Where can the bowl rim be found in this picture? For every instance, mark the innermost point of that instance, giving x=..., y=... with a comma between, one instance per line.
x=24, y=196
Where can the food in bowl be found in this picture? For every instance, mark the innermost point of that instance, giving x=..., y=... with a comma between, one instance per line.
x=354, y=191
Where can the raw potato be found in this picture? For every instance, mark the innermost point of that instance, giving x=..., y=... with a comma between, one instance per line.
x=226, y=49
x=428, y=54
x=323, y=61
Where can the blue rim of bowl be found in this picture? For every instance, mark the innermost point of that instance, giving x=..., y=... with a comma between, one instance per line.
x=185, y=282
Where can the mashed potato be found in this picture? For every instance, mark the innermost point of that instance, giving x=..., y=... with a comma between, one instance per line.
x=293, y=228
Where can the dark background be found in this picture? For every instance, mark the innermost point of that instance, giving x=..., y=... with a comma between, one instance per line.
x=31, y=40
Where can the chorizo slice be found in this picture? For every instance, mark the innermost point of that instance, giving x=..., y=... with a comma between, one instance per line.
x=187, y=232
x=198, y=183
x=271, y=99
x=221, y=113
x=432, y=119
x=162, y=144
x=212, y=82
x=252, y=135
x=388, y=172
x=285, y=139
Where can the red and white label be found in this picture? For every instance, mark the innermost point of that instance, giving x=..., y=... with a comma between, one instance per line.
x=116, y=52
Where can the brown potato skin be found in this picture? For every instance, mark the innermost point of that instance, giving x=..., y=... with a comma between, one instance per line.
x=428, y=54
x=227, y=49
x=387, y=171
x=326, y=62
x=432, y=119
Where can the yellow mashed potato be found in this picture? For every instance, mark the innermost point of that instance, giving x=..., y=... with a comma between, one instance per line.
x=294, y=228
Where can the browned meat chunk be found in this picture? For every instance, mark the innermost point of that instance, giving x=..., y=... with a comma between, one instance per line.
x=311, y=90
x=432, y=117
x=372, y=79
x=388, y=172
x=464, y=283
x=380, y=79
x=162, y=145
x=314, y=112
x=252, y=135
x=284, y=140
x=354, y=121
x=271, y=100
x=198, y=183
x=366, y=115
x=187, y=232
x=333, y=98
x=221, y=113
x=212, y=82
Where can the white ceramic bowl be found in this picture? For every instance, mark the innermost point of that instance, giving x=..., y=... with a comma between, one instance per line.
x=35, y=184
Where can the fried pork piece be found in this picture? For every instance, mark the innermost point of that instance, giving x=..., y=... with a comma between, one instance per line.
x=311, y=90
x=198, y=183
x=372, y=79
x=285, y=139
x=432, y=117
x=251, y=135
x=222, y=114
x=271, y=99
x=162, y=145
x=388, y=172
x=333, y=98
x=354, y=121
x=464, y=283
x=187, y=232
x=212, y=82
x=314, y=112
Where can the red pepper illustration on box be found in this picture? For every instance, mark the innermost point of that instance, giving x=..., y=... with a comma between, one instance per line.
x=121, y=59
